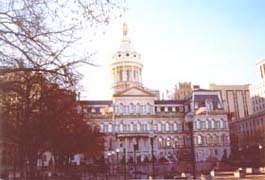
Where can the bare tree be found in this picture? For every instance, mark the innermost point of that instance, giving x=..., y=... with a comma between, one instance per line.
x=41, y=34
x=37, y=40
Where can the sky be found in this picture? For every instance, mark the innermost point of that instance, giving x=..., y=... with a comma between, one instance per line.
x=197, y=41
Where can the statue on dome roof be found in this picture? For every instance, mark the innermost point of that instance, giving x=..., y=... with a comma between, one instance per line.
x=125, y=29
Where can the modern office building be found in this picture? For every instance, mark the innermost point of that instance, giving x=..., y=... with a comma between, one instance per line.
x=257, y=91
x=248, y=133
x=236, y=99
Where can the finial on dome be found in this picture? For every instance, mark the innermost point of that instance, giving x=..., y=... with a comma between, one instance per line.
x=125, y=29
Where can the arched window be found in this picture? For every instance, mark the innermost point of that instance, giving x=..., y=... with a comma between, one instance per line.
x=175, y=127
x=131, y=127
x=138, y=127
x=135, y=127
x=149, y=127
x=160, y=142
x=132, y=108
x=223, y=139
x=202, y=124
x=170, y=127
x=155, y=127
x=176, y=141
x=168, y=142
x=199, y=139
x=110, y=128
x=217, y=124
x=209, y=105
x=222, y=123
x=159, y=127
x=145, y=127
x=207, y=124
x=149, y=108
x=167, y=127
x=183, y=141
x=121, y=109
x=121, y=127
x=208, y=139
x=198, y=124
x=138, y=108
x=215, y=139
x=213, y=124
x=144, y=109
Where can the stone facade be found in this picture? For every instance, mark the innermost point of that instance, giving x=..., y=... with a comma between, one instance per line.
x=139, y=128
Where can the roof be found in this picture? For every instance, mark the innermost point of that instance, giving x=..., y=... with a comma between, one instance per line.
x=199, y=97
x=101, y=102
x=169, y=101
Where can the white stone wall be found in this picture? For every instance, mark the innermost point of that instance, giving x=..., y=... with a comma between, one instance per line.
x=211, y=137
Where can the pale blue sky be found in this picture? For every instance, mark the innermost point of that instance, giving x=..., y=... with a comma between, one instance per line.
x=206, y=41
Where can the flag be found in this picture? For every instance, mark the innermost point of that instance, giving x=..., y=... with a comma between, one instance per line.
x=201, y=110
x=107, y=109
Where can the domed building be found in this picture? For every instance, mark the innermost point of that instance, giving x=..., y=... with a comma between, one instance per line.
x=153, y=135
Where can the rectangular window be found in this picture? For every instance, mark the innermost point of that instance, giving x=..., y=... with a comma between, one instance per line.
x=110, y=128
x=155, y=127
x=121, y=127
x=263, y=69
x=175, y=126
x=167, y=127
x=163, y=127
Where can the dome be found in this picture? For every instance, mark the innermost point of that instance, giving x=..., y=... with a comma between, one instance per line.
x=126, y=66
x=126, y=52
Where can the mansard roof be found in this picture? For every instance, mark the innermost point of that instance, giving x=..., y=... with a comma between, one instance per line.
x=199, y=97
x=169, y=102
x=96, y=102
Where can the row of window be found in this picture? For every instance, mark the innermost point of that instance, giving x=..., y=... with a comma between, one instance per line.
x=134, y=109
x=212, y=139
x=251, y=124
x=142, y=127
x=169, y=142
x=209, y=153
x=210, y=124
x=259, y=107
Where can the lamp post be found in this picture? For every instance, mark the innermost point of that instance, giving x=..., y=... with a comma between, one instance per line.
x=260, y=152
x=109, y=155
x=117, y=153
x=152, y=153
x=189, y=121
x=124, y=152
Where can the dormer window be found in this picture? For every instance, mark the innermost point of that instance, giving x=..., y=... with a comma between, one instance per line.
x=119, y=55
x=209, y=104
x=219, y=106
x=196, y=105
x=127, y=54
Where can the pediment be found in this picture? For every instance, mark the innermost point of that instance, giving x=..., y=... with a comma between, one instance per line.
x=135, y=91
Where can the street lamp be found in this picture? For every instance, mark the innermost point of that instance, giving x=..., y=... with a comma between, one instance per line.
x=109, y=155
x=151, y=135
x=260, y=149
x=189, y=121
x=117, y=152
